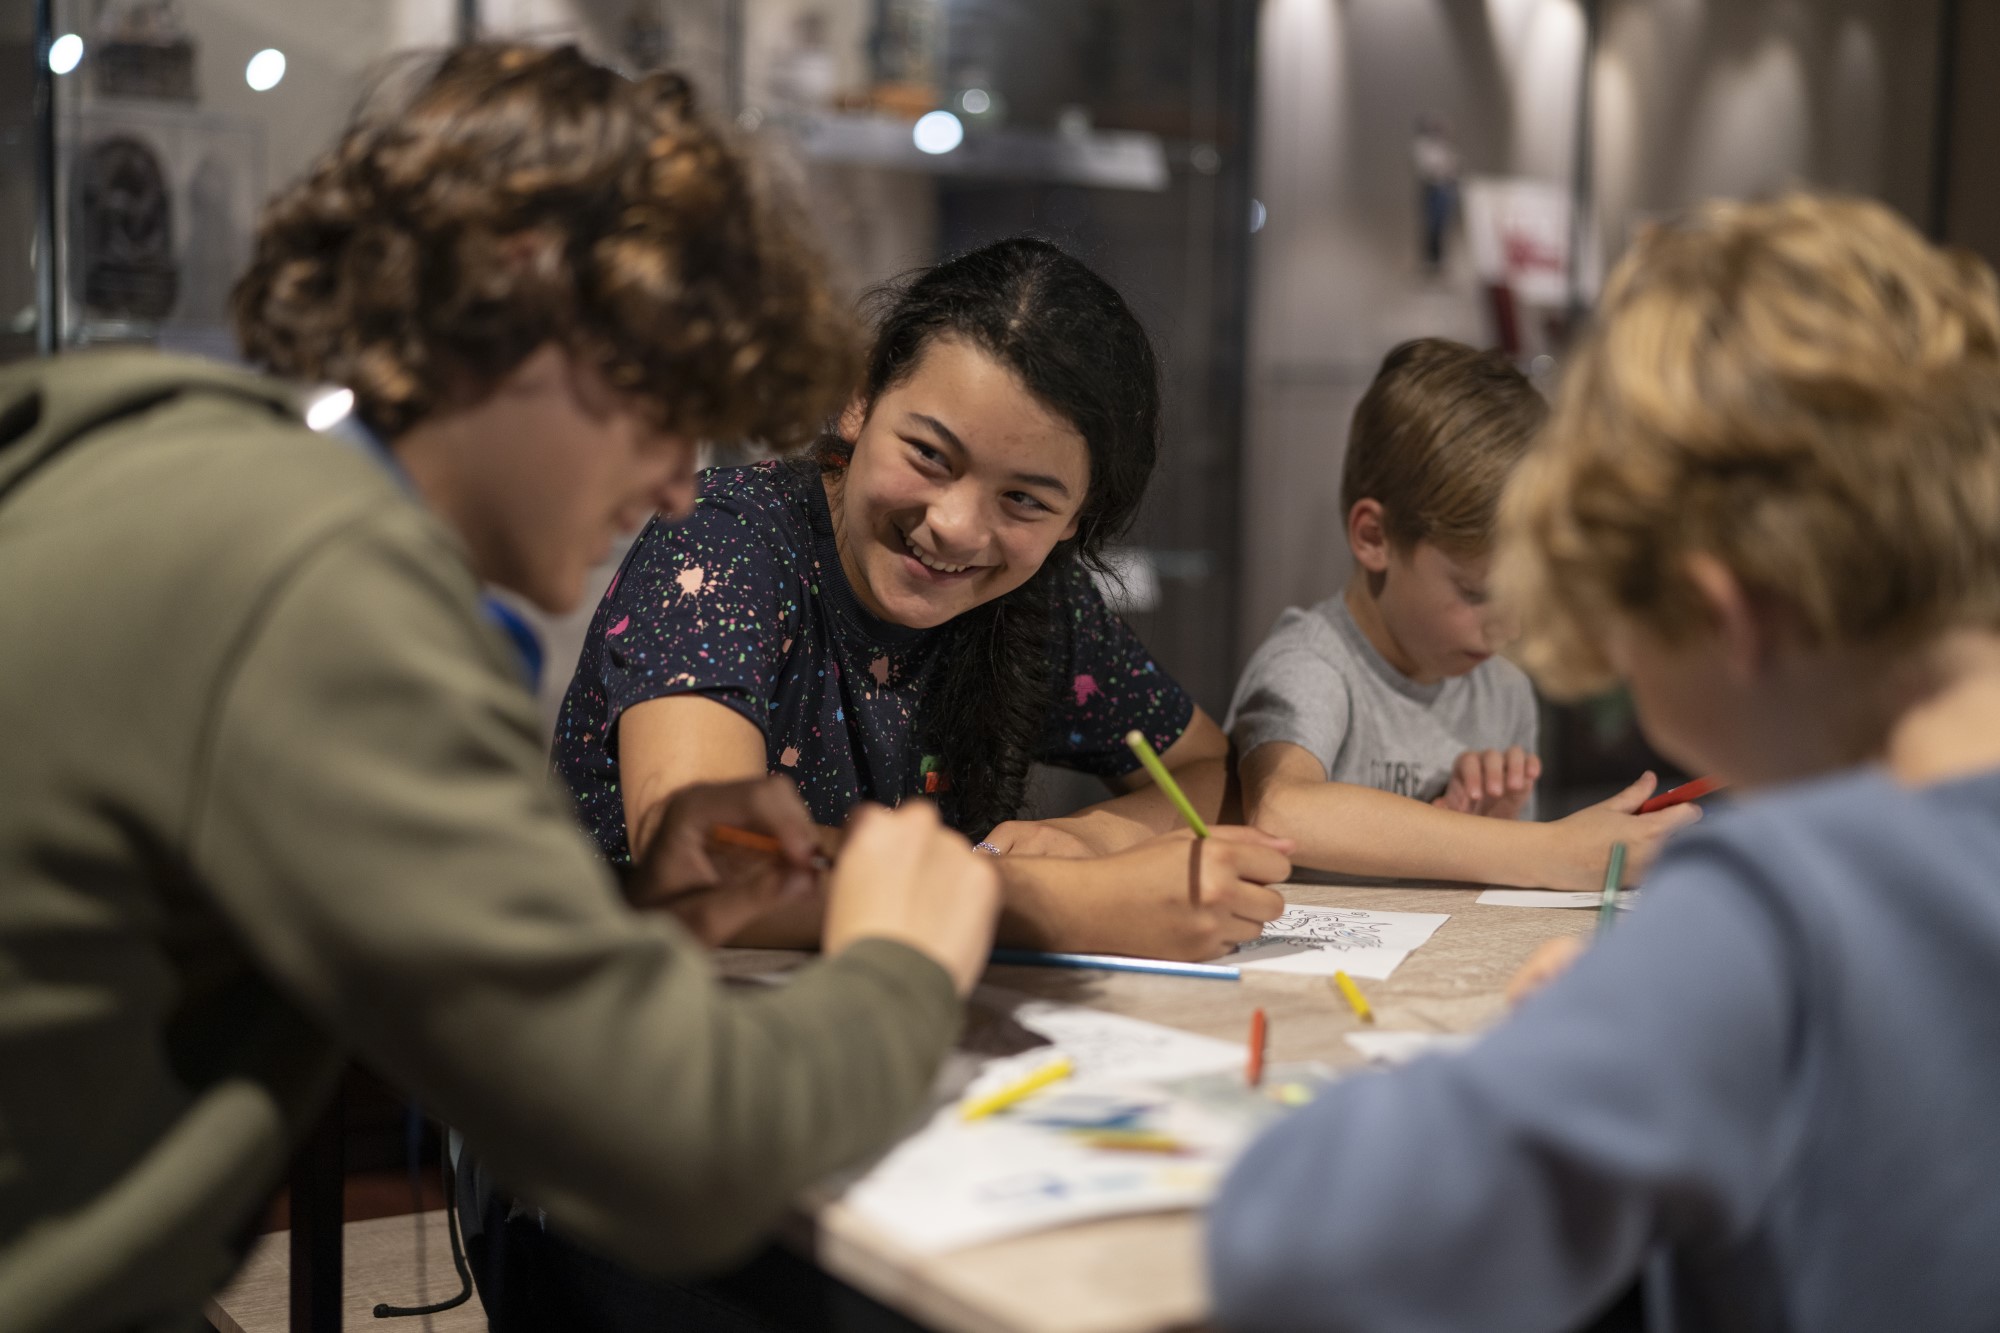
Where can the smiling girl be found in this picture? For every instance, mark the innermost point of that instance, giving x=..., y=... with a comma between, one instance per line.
x=909, y=611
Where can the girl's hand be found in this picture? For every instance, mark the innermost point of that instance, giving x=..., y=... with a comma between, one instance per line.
x=1496, y=783
x=1182, y=897
x=1037, y=837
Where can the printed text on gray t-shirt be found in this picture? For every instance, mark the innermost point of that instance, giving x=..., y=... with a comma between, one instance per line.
x=1318, y=683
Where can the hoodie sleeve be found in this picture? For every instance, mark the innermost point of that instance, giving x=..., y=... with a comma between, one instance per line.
x=376, y=820
x=1521, y=1184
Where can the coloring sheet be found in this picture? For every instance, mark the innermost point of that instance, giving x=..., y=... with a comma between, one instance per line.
x=1319, y=941
x=956, y=1183
x=1553, y=898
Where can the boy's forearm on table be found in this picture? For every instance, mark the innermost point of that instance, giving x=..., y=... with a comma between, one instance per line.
x=1360, y=831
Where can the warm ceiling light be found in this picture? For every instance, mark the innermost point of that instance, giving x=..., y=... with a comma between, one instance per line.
x=265, y=69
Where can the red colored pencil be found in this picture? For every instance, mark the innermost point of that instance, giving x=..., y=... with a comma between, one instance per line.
x=1254, y=1075
x=1687, y=791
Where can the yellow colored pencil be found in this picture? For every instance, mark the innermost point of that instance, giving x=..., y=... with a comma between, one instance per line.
x=1054, y=1071
x=1345, y=984
x=1160, y=775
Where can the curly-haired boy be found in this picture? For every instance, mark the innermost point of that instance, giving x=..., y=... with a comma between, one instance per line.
x=272, y=789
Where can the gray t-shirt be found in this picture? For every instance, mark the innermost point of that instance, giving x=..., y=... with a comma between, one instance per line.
x=1318, y=683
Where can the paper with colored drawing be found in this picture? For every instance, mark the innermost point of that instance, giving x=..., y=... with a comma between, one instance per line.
x=956, y=1183
x=1319, y=941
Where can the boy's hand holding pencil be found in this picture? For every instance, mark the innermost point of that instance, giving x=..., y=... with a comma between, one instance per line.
x=722, y=854
x=1583, y=840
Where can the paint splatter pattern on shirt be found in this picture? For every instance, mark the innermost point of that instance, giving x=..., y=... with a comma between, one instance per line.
x=745, y=603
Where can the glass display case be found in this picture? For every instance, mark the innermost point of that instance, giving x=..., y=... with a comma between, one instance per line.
x=915, y=128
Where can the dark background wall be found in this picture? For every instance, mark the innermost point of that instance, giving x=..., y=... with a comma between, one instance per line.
x=1970, y=191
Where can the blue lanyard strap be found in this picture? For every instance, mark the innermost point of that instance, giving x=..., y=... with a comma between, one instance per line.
x=527, y=644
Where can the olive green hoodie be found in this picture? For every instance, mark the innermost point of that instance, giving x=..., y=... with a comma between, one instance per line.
x=270, y=792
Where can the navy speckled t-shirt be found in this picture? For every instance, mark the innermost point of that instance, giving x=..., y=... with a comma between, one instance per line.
x=745, y=602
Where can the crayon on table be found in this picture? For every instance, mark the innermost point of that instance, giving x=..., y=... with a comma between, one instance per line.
x=1355, y=999
x=1166, y=782
x=1259, y=1032
x=1034, y=1081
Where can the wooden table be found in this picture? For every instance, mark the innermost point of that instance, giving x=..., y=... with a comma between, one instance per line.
x=1141, y=1273
x=1126, y=1275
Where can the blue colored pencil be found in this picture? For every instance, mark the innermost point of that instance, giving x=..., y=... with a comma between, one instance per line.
x=1111, y=962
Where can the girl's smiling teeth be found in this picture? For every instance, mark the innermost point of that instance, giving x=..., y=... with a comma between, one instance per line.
x=937, y=566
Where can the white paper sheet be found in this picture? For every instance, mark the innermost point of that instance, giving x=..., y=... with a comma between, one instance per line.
x=1395, y=1048
x=1319, y=941
x=1106, y=1046
x=1552, y=898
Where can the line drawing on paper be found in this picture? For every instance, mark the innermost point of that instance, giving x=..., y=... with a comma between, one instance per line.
x=1326, y=928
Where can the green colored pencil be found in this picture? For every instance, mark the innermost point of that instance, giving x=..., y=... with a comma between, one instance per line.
x=1607, y=910
x=1166, y=781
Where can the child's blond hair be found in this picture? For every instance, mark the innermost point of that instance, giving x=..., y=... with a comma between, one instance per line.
x=1804, y=389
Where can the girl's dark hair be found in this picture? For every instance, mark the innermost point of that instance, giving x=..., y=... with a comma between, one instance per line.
x=1081, y=352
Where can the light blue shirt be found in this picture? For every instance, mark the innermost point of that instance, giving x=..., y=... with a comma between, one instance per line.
x=526, y=642
x=1775, y=1086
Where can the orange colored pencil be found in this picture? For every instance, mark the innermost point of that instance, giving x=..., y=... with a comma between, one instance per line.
x=750, y=840
x=1259, y=1031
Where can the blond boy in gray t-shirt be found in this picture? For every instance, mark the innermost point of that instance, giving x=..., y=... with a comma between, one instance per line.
x=1378, y=730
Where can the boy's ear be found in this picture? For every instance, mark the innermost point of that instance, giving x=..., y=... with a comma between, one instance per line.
x=852, y=418
x=1368, y=536
x=1747, y=626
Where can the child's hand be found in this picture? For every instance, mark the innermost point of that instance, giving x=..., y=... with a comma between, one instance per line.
x=1183, y=897
x=1584, y=839
x=1544, y=965
x=1496, y=783
x=1037, y=837
x=716, y=890
x=903, y=876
